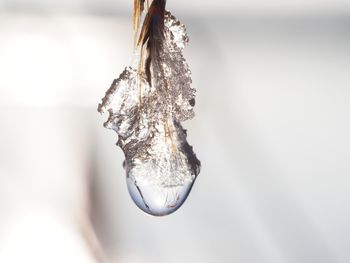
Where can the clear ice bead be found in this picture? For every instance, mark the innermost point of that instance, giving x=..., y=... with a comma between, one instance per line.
x=161, y=172
x=156, y=199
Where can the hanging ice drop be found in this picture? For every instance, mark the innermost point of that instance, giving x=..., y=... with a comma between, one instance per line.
x=146, y=105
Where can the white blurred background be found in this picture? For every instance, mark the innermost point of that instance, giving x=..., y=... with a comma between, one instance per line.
x=272, y=132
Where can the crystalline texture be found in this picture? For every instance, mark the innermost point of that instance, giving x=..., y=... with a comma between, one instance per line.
x=161, y=166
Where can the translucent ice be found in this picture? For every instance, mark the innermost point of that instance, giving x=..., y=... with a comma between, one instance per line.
x=160, y=165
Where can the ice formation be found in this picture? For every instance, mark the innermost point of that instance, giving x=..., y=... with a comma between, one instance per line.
x=146, y=106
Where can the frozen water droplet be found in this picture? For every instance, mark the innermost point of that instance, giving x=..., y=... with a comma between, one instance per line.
x=161, y=172
x=160, y=165
x=158, y=200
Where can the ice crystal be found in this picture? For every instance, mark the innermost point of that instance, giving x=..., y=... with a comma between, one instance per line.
x=161, y=166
